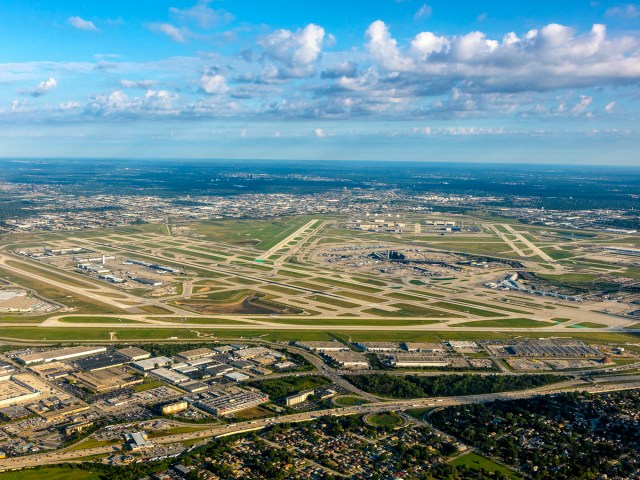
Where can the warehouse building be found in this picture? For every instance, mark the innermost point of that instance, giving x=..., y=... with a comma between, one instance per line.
x=107, y=379
x=379, y=346
x=196, y=353
x=14, y=391
x=170, y=376
x=102, y=361
x=323, y=346
x=134, y=353
x=404, y=360
x=67, y=353
x=151, y=363
x=348, y=359
x=229, y=403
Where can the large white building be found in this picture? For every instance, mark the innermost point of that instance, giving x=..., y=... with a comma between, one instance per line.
x=59, y=354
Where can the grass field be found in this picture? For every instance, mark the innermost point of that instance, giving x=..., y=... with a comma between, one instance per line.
x=588, y=325
x=468, y=309
x=384, y=419
x=506, y=323
x=97, y=320
x=477, y=462
x=52, y=473
x=349, y=401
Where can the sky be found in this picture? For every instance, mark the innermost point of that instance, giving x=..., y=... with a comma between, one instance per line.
x=456, y=80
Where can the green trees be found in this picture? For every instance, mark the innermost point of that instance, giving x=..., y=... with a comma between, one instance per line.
x=413, y=386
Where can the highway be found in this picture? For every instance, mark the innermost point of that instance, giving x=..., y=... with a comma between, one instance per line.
x=612, y=384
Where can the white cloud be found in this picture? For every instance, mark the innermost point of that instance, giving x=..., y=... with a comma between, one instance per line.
x=424, y=11
x=118, y=103
x=550, y=58
x=295, y=52
x=609, y=107
x=384, y=48
x=42, y=88
x=82, y=24
x=625, y=11
x=137, y=83
x=426, y=43
x=174, y=33
x=202, y=14
x=213, y=84
x=582, y=105
x=319, y=132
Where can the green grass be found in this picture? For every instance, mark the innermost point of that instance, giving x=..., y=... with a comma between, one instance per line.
x=97, y=320
x=332, y=301
x=343, y=284
x=588, y=325
x=349, y=401
x=470, y=310
x=291, y=273
x=51, y=473
x=147, y=385
x=506, y=323
x=359, y=296
x=350, y=321
x=280, y=387
x=384, y=419
x=191, y=253
x=488, y=305
x=477, y=462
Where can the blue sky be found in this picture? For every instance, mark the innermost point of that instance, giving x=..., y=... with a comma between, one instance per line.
x=546, y=81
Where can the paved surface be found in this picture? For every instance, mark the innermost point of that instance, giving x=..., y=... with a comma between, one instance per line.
x=220, y=431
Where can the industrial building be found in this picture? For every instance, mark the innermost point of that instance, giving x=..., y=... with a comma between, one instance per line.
x=104, y=380
x=298, y=398
x=196, y=353
x=249, y=353
x=102, y=361
x=236, y=376
x=67, y=353
x=348, y=359
x=229, y=403
x=14, y=391
x=151, y=363
x=176, y=407
x=379, y=346
x=138, y=441
x=403, y=360
x=170, y=376
x=320, y=346
x=431, y=347
x=134, y=353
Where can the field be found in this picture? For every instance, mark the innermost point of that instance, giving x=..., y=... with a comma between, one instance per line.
x=477, y=462
x=281, y=278
x=52, y=473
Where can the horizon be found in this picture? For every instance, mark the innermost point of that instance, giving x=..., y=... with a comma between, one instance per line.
x=404, y=80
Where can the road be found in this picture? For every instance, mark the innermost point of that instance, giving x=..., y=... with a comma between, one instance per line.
x=628, y=383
